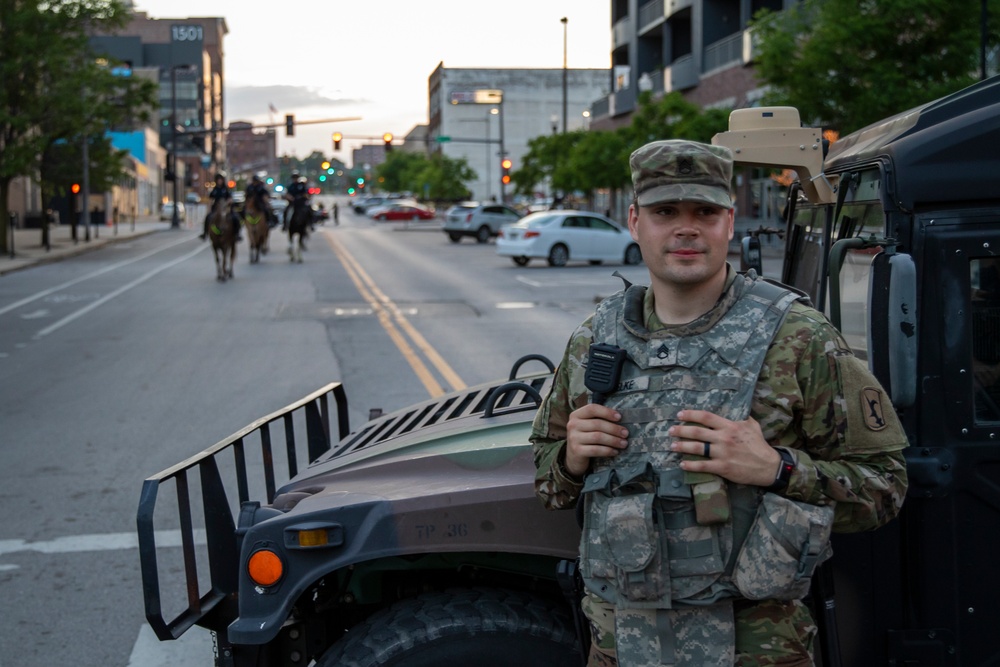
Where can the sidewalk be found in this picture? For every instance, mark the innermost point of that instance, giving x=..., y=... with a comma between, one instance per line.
x=29, y=251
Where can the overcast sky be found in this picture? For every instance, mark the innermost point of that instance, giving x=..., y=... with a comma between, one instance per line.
x=322, y=59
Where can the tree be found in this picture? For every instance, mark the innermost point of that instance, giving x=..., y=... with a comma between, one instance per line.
x=54, y=88
x=401, y=171
x=438, y=177
x=444, y=178
x=587, y=161
x=849, y=63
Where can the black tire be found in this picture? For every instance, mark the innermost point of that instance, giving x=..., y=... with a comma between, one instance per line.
x=520, y=261
x=481, y=627
x=633, y=255
x=483, y=234
x=454, y=237
x=559, y=255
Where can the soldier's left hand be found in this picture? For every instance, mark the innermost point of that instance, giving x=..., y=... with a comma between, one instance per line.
x=737, y=451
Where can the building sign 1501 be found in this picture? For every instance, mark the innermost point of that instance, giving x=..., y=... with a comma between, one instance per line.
x=186, y=33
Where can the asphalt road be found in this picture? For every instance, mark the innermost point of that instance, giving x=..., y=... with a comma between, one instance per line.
x=123, y=361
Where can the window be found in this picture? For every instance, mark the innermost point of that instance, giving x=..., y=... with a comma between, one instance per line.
x=984, y=275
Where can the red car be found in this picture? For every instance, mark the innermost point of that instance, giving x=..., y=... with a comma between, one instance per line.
x=404, y=212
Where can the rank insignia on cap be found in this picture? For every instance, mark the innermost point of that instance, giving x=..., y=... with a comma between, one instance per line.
x=871, y=408
x=685, y=165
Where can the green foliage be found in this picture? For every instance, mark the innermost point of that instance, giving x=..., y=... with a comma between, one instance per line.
x=588, y=161
x=61, y=164
x=847, y=64
x=401, y=171
x=54, y=88
x=436, y=178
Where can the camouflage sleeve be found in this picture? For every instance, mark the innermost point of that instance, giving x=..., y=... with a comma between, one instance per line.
x=553, y=485
x=820, y=401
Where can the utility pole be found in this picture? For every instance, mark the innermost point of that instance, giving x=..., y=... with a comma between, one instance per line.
x=565, y=20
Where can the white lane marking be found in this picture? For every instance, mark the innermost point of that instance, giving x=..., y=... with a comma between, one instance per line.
x=41, y=312
x=124, y=288
x=106, y=542
x=193, y=649
x=512, y=305
x=51, y=290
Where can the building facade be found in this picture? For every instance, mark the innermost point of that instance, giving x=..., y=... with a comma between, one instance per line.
x=251, y=151
x=187, y=56
x=702, y=49
x=482, y=115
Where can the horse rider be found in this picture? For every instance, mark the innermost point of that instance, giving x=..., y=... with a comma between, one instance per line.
x=257, y=192
x=221, y=191
x=297, y=194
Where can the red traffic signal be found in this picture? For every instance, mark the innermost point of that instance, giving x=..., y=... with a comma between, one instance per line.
x=387, y=138
x=75, y=188
x=337, y=136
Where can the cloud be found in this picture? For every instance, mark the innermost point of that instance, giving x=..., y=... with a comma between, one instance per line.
x=254, y=101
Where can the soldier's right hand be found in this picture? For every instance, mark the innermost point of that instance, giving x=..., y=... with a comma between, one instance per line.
x=592, y=432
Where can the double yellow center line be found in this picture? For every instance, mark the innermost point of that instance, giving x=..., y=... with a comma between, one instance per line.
x=398, y=327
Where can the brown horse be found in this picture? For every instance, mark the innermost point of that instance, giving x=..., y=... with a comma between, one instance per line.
x=255, y=220
x=222, y=231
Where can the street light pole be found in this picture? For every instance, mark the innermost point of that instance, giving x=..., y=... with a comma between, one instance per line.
x=503, y=152
x=175, y=221
x=564, y=20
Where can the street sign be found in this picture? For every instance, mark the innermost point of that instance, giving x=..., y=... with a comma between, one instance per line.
x=443, y=139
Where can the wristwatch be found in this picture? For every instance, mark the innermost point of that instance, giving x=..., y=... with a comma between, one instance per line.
x=784, y=470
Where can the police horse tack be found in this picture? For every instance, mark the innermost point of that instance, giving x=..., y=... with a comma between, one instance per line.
x=298, y=226
x=222, y=231
x=256, y=223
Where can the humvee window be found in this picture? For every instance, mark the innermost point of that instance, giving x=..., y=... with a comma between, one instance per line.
x=985, y=300
x=859, y=219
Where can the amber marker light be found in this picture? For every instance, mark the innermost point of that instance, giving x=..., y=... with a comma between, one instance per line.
x=265, y=568
x=313, y=538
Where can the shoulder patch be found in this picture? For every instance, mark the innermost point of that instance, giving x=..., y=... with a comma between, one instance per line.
x=871, y=408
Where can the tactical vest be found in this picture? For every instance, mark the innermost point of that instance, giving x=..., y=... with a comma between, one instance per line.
x=655, y=537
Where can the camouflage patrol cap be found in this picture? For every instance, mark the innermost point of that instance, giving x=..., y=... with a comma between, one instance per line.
x=679, y=170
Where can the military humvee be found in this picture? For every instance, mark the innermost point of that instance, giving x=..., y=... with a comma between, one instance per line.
x=416, y=539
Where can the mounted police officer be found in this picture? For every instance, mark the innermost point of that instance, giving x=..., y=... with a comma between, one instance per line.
x=297, y=194
x=221, y=192
x=741, y=431
x=257, y=192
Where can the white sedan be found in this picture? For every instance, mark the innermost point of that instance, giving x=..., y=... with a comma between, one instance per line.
x=563, y=236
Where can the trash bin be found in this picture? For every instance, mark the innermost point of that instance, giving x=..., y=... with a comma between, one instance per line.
x=34, y=220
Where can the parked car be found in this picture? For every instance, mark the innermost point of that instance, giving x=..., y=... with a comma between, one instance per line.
x=480, y=221
x=402, y=212
x=167, y=211
x=364, y=204
x=562, y=236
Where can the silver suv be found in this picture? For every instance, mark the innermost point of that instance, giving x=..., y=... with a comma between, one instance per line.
x=481, y=221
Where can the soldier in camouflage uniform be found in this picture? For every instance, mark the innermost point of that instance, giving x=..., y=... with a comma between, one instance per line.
x=817, y=431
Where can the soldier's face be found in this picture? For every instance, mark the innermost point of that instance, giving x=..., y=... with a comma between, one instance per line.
x=683, y=243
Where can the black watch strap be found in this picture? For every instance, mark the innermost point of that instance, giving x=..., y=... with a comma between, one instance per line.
x=784, y=470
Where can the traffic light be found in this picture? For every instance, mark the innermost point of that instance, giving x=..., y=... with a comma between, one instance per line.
x=337, y=136
x=387, y=138
x=290, y=125
x=505, y=165
x=325, y=165
x=75, y=188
